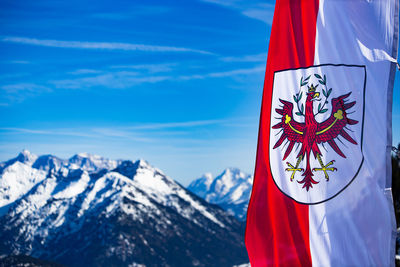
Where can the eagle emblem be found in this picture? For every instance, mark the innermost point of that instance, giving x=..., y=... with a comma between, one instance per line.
x=315, y=127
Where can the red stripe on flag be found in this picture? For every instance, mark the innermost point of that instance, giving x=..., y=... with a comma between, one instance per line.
x=277, y=230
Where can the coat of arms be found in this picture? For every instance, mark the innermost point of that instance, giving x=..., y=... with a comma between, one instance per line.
x=316, y=123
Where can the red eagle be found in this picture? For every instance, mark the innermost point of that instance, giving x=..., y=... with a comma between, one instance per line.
x=311, y=133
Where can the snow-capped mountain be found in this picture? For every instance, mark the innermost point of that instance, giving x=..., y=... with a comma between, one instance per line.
x=24, y=157
x=231, y=190
x=20, y=174
x=89, y=211
x=92, y=163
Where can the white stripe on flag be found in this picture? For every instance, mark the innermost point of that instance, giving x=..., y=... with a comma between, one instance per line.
x=358, y=226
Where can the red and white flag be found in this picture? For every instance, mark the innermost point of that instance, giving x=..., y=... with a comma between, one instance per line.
x=322, y=187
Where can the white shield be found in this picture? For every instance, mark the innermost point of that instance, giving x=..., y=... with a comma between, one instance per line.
x=293, y=85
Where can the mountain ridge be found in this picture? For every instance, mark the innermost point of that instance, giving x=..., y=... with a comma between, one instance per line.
x=231, y=190
x=128, y=214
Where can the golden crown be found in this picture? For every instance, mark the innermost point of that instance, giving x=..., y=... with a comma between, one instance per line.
x=312, y=88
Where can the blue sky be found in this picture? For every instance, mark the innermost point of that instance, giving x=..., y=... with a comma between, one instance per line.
x=177, y=83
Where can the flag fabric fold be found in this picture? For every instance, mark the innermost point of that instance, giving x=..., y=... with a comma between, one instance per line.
x=322, y=190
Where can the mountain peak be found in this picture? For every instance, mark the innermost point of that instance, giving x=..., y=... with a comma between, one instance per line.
x=234, y=172
x=231, y=190
x=25, y=152
x=142, y=163
x=128, y=168
x=83, y=155
x=48, y=162
x=91, y=162
x=87, y=155
x=132, y=213
x=25, y=156
x=201, y=185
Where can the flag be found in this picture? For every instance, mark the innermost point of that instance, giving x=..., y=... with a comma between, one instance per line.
x=322, y=187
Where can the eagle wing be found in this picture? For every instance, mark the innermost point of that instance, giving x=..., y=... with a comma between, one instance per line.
x=334, y=126
x=291, y=129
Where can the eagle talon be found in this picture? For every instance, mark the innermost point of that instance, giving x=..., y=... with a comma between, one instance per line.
x=325, y=168
x=293, y=169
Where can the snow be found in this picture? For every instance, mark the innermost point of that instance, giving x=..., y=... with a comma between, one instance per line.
x=92, y=163
x=47, y=162
x=229, y=185
x=28, y=156
x=93, y=195
x=229, y=189
x=75, y=188
x=199, y=207
x=40, y=201
x=202, y=184
x=151, y=181
x=16, y=180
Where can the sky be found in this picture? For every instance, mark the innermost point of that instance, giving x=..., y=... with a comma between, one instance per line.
x=177, y=83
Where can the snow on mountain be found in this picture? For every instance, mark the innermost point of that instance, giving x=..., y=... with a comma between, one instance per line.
x=47, y=162
x=202, y=185
x=16, y=180
x=20, y=174
x=126, y=215
x=231, y=190
x=92, y=163
x=24, y=157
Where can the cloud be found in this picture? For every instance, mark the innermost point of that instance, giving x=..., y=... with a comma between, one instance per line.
x=126, y=79
x=222, y=74
x=75, y=132
x=110, y=16
x=247, y=58
x=138, y=133
x=23, y=87
x=85, y=71
x=47, y=132
x=152, y=68
x=16, y=93
x=100, y=45
x=22, y=62
x=259, y=10
x=229, y=3
x=264, y=13
x=117, y=80
x=185, y=124
x=145, y=10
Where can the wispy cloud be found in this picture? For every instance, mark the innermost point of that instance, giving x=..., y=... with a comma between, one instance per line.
x=85, y=71
x=22, y=62
x=14, y=75
x=47, y=132
x=263, y=13
x=185, y=124
x=127, y=79
x=117, y=80
x=247, y=58
x=110, y=16
x=24, y=87
x=87, y=133
x=16, y=93
x=144, y=10
x=230, y=73
x=259, y=10
x=139, y=132
x=223, y=2
x=100, y=45
x=152, y=68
